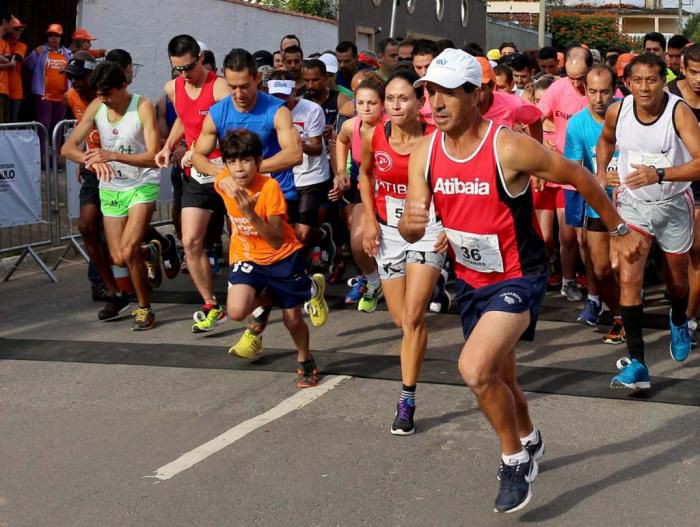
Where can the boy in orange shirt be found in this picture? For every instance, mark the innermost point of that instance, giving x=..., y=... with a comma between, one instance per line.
x=267, y=261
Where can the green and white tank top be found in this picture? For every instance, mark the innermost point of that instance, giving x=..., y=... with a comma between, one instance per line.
x=125, y=136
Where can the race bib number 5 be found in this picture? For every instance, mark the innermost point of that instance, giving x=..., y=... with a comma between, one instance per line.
x=395, y=208
x=203, y=179
x=479, y=252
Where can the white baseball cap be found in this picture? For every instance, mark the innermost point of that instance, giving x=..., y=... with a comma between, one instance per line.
x=202, y=46
x=330, y=61
x=451, y=69
x=280, y=86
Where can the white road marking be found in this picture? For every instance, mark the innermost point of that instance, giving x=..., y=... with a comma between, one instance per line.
x=295, y=402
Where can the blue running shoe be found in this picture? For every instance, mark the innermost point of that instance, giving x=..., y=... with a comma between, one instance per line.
x=515, y=490
x=591, y=312
x=633, y=375
x=680, y=340
x=359, y=286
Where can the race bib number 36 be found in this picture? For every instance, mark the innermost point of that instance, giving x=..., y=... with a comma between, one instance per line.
x=479, y=252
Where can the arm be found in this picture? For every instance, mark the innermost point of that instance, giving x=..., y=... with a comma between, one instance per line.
x=221, y=90
x=271, y=230
x=160, y=115
x=341, y=181
x=605, y=149
x=313, y=146
x=291, y=153
x=71, y=146
x=370, y=235
x=205, y=145
x=535, y=129
x=415, y=217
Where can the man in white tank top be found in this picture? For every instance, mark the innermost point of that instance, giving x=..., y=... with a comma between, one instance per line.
x=658, y=139
x=126, y=168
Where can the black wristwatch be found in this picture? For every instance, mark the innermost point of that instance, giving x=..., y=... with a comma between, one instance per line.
x=621, y=230
x=661, y=173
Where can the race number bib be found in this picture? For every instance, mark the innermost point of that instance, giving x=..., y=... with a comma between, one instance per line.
x=394, y=210
x=644, y=158
x=124, y=172
x=203, y=179
x=479, y=252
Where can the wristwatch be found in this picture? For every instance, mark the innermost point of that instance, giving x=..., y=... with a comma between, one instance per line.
x=661, y=173
x=621, y=230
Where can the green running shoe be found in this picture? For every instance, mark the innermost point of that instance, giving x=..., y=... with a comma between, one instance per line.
x=368, y=302
x=208, y=319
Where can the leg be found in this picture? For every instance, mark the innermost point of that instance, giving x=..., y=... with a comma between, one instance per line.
x=294, y=322
x=676, y=274
x=694, y=271
x=241, y=301
x=194, y=228
x=89, y=228
x=132, y=238
x=394, y=294
x=366, y=264
x=569, y=253
x=545, y=219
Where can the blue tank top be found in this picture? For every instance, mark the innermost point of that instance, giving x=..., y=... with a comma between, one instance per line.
x=261, y=120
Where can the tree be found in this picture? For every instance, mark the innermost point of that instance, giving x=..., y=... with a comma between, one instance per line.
x=598, y=31
x=692, y=28
x=322, y=8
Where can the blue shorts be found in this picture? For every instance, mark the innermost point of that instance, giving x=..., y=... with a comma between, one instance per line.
x=516, y=295
x=286, y=280
x=574, y=208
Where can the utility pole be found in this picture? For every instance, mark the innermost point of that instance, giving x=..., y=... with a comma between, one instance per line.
x=540, y=24
x=680, y=17
x=395, y=4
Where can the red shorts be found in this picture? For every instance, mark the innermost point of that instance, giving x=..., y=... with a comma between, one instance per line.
x=548, y=199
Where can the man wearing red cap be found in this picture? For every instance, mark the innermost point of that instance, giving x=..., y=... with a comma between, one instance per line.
x=82, y=41
x=6, y=64
x=18, y=50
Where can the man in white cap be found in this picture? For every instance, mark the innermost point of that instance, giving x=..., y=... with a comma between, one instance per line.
x=477, y=175
x=331, y=63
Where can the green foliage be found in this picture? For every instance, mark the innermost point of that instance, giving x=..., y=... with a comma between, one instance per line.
x=598, y=31
x=692, y=28
x=322, y=8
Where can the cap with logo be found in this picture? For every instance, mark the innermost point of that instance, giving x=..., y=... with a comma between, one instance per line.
x=83, y=34
x=494, y=54
x=330, y=61
x=80, y=64
x=451, y=69
x=282, y=87
x=263, y=58
x=55, y=28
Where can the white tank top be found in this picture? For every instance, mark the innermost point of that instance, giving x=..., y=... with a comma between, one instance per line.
x=125, y=136
x=656, y=144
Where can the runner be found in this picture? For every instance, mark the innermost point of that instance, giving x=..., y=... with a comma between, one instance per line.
x=659, y=142
x=582, y=135
x=478, y=176
x=547, y=61
x=689, y=89
x=266, y=115
x=408, y=271
x=655, y=43
x=293, y=57
x=674, y=53
x=504, y=79
x=423, y=54
x=266, y=258
x=346, y=53
x=388, y=51
x=125, y=166
x=193, y=92
x=522, y=70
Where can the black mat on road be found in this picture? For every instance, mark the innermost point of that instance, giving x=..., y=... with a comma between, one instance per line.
x=438, y=371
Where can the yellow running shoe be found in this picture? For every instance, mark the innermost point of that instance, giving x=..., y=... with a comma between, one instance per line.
x=208, y=321
x=249, y=346
x=317, y=308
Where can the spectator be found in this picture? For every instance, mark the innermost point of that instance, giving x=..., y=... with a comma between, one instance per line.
x=474, y=49
x=49, y=86
x=263, y=58
x=82, y=41
x=18, y=51
x=7, y=64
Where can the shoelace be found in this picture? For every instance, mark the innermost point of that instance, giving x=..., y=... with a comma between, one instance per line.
x=404, y=412
x=509, y=474
x=141, y=314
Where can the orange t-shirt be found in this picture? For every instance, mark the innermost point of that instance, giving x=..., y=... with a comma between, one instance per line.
x=4, y=73
x=78, y=106
x=16, y=89
x=55, y=83
x=246, y=244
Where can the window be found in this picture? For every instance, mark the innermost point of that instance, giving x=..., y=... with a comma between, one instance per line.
x=439, y=9
x=465, y=12
x=410, y=6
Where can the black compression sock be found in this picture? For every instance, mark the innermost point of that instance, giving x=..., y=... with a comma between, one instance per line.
x=632, y=318
x=678, y=309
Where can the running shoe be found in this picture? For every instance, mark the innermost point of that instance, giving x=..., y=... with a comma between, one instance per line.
x=328, y=248
x=693, y=329
x=116, y=305
x=336, y=275
x=616, y=335
x=358, y=286
x=208, y=319
x=368, y=302
x=171, y=258
x=316, y=308
x=571, y=292
x=535, y=448
x=680, y=340
x=249, y=346
x=591, y=312
x=315, y=259
x=155, y=274
x=515, y=490
x=100, y=293
x=633, y=375
x=144, y=318
x=443, y=304
x=403, y=418
x=307, y=374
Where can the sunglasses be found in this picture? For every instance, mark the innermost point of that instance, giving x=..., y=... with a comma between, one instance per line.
x=188, y=67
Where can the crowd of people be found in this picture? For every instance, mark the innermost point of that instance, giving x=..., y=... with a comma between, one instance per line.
x=418, y=163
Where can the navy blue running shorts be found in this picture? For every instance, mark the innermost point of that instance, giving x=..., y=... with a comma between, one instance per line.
x=286, y=281
x=575, y=208
x=516, y=295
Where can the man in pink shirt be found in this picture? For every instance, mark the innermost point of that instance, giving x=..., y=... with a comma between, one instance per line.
x=504, y=108
x=563, y=99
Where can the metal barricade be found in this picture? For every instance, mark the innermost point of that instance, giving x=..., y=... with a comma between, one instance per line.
x=67, y=192
x=23, y=239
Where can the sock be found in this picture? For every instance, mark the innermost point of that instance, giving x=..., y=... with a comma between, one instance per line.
x=678, y=308
x=531, y=438
x=257, y=322
x=514, y=459
x=632, y=318
x=408, y=393
x=373, y=279
x=594, y=298
x=121, y=275
x=567, y=281
x=147, y=306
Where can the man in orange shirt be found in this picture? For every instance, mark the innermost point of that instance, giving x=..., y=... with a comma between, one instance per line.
x=6, y=64
x=265, y=254
x=18, y=51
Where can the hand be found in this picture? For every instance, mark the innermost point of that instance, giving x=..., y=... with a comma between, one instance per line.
x=629, y=246
x=186, y=161
x=370, y=237
x=163, y=157
x=103, y=171
x=97, y=155
x=341, y=183
x=441, y=244
x=415, y=217
x=229, y=186
x=609, y=179
x=538, y=184
x=78, y=176
x=246, y=203
x=328, y=133
x=641, y=177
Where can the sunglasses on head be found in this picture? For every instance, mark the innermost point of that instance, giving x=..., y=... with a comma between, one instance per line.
x=187, y=67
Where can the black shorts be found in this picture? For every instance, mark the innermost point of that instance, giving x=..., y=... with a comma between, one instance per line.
x=286, y=280
x=200, y=196
x=176, y=177
x=595, y=225
x=311, y=198
x=352, y=195
x=516, y=295
x=695, y=187
x=90, y=188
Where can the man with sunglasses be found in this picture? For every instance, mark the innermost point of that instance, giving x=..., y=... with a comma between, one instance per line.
x=193, y=92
